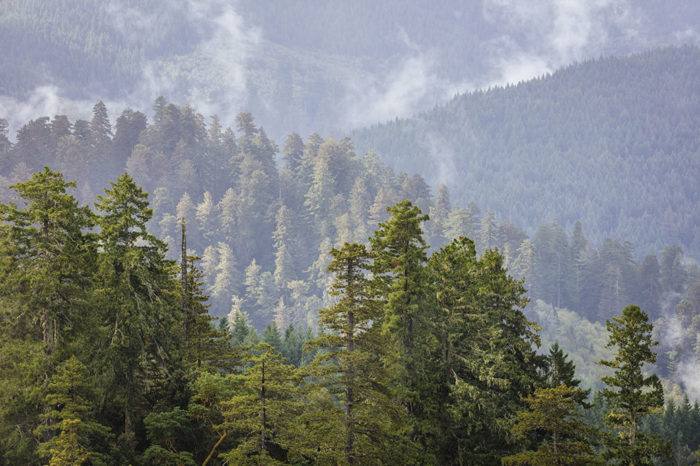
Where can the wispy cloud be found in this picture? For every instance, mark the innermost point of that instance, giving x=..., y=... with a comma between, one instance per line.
x=412, y=83
x=689, y=374
x=212, y=77
x=403, y=90
x=43, y=101
x=539, y=36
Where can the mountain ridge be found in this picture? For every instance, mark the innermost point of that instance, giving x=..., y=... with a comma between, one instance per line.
x=537, y=150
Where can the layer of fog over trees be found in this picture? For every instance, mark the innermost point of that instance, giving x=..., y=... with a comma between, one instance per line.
x=306, y=67
x=564, y=134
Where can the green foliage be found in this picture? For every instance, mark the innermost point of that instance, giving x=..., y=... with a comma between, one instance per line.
x=485, y=359
x=566, y=439
x=136, y=290
x=163, y=430
x=70, y=396
x=562, y=372
x=631, y=394
x=442, y=356
x=263, y=412
x=47, y=260
x=350, y=369
x=398, y=250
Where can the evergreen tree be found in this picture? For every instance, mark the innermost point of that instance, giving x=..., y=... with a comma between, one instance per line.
x=398, y=250
x=100, y=127
x=47, y=261
x=137, y=287
x=462, y=222
x=292, y=345
x=631, y=394
x=293, y=153
x=205, y=347
x=399, y=255
x=359, y=203
x=226, y=281
x=71, y=396
x=489, y=232
x=285, y=261
x=318, y=198
x=563, y=372
x=524, y=265
x=351, y=367
x=439, y=214
x=129, y=127
x=271, y=336
x=485, y=359
x=239, y=328
x=5, y=144
x=567, y=439
x=263, y=412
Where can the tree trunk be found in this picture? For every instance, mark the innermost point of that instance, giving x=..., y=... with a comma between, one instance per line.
x=262, y=401
x=349, y=394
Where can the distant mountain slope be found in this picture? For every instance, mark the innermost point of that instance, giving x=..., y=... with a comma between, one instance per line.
x=305, y=66
x=614, y=142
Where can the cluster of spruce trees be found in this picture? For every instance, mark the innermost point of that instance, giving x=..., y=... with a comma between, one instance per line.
x=263, y=232
x=263, y=229
x=110, y=356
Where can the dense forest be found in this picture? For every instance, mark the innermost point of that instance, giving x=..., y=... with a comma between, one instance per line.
x=610, y=142
x=478, y=247
x=263, y=231
x=111, y=357
x=258, y=238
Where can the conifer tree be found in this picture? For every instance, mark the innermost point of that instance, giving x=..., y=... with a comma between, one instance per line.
x=351, y=368
x=263, y=412
x=283, y=236
x=399, y=255
x=631, y=394
x=5, y=144
x=567, y=439
x=137, y=290
x=100, y=127
x=484, y=360
x=398, y=250
x=359, y=202
x=438, y=217
x=563, y=372
x=489, y=231
x=293, y=153
x=462, y=222
x=48, y=259
x=239, y=328
x=205, y=347
x=271, y=336
x=226, y=281
x=71, y=396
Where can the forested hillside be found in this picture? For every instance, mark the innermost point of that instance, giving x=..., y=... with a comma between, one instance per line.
x=263, y=232
x=610, y=142
x=339, y=233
